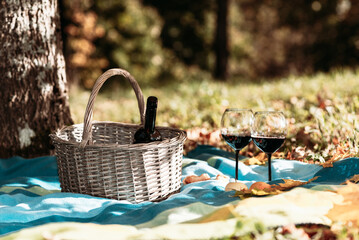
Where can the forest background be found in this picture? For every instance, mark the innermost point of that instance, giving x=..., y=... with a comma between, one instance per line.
x=297, y=56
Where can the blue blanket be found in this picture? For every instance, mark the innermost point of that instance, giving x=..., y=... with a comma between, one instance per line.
x=30, y=193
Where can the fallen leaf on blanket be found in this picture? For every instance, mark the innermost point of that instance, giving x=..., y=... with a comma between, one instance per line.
x=290, y=183
x=264, y=190
x=258, y=189
x=237, y=186
x=260, y=186
x=256, y=192
x=195, y=178
x=223, y=178
x=327, y=164
x=348, y=210
x=354, y=179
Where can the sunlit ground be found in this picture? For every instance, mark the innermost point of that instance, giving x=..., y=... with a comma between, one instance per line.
x=322, y=109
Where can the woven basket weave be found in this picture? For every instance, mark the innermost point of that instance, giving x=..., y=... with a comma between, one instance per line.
x=99, y=159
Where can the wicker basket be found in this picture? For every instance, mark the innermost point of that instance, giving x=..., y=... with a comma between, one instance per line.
x=99, y=159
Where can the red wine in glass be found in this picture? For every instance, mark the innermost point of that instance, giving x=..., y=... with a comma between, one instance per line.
x=236, y=130
x=269, y=129
x=268, y=145
x=237, y=142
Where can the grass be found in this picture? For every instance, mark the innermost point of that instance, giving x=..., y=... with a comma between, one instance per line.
x=322, y=110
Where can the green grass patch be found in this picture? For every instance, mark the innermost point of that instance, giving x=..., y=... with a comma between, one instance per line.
x=322, y=109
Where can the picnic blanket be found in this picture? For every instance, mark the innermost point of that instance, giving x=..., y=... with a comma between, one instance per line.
x=32, y=204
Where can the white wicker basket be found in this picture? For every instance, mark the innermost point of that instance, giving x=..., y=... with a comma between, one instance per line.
x=99, y=159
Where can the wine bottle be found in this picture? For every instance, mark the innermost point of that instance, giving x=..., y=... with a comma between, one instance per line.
x=149, y=133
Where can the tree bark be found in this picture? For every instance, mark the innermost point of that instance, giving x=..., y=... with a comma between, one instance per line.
x=33, y=90
x=221, y=40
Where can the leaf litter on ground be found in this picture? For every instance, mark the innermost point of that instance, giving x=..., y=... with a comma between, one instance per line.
x=274, y=189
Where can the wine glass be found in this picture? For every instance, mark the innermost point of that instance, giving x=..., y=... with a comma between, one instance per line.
x=236, y=129
x=269, y=130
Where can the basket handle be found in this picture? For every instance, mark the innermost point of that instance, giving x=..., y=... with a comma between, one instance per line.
x=87, y=132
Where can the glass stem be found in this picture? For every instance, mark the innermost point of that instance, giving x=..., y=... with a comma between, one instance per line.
x=237, y=156
x=269, y=166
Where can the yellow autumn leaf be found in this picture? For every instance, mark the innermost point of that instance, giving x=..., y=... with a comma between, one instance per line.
x=257, y=192
x=348, y=210
x=273, y=190
x=290, y=183
x=265, y=192
x=253, y=161
x=327, y=164
x=354, y=179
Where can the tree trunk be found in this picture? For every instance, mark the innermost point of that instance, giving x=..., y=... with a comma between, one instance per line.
x=221, y=41
x=33, y=90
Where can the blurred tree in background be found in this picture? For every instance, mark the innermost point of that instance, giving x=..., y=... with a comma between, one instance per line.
x=187, y=29
x=80, y=32
x=124, y=34
x=195, y=30
x=300, y=36
x=221, y=40
x=164, y=41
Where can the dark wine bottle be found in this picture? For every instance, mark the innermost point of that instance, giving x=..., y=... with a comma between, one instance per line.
x=149, y=133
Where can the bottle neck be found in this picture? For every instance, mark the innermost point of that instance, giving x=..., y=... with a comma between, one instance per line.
x=150, y=119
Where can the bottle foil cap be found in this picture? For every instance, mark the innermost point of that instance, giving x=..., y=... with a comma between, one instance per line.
x=152, y=102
